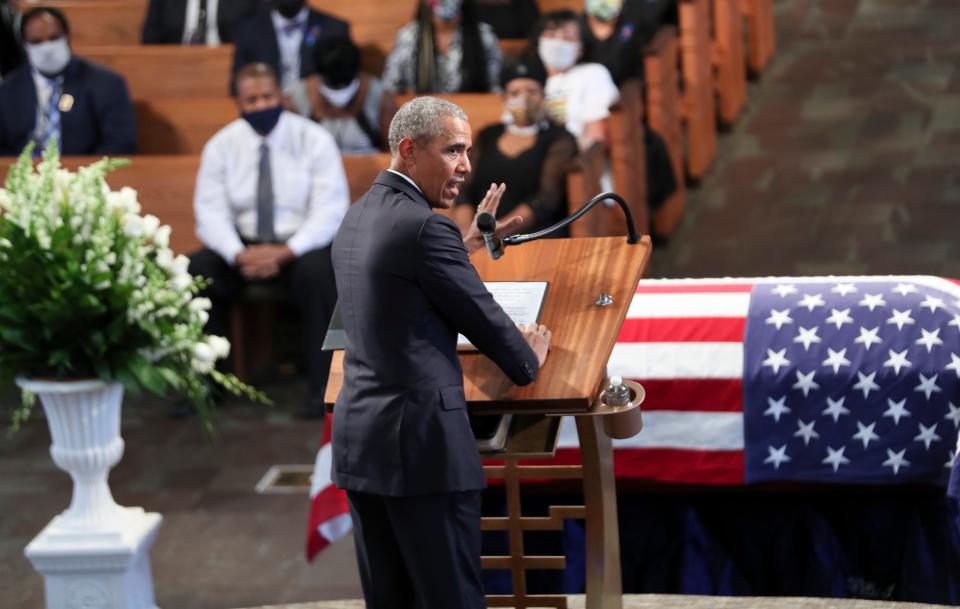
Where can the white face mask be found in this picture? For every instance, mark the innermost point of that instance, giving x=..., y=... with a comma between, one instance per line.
x=558, y=54
x=49, y=57
x=340, y=97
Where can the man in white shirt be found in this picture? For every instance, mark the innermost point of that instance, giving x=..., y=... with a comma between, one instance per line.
x=271, y=193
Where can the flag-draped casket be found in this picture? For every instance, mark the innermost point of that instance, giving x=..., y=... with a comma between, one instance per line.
x=823, y=379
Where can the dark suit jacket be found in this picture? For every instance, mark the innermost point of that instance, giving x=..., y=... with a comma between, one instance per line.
x=256, y=40
x=406, y=288
x=101, y=120
x=165, y=19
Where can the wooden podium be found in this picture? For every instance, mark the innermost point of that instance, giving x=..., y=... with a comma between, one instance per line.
x=592, y=283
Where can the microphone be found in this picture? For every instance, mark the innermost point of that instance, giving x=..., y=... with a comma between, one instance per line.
x=487, y=223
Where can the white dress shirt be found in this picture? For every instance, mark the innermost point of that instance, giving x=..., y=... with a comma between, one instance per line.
x=289, y=43
x=44, y=88
x=309, y=186
x=212, y=36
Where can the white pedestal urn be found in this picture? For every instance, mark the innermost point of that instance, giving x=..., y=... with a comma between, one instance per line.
x=95, y=555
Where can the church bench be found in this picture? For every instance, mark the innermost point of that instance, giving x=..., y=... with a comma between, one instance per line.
x=163, y=70
x=698, y=110
x=761, y=33
x=727, y=52
x=112, y=22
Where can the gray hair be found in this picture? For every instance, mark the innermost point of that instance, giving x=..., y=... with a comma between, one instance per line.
x=421, y=120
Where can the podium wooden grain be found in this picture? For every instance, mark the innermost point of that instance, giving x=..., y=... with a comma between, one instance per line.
x=584, y=333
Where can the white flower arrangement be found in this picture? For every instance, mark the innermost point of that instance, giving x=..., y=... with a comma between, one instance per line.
x=90, y=288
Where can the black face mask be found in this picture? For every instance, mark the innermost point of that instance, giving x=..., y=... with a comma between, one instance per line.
x=263, y=121
x=287, y=8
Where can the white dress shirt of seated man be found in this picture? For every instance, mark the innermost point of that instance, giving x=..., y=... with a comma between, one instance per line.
x=309, y=187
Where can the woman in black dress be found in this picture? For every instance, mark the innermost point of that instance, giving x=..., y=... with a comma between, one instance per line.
x=526, y=152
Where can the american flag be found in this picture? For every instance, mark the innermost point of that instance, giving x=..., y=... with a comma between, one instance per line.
x=829, y=379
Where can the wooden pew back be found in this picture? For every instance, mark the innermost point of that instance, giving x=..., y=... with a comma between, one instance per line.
x=99, y=22
x=162, y=71
x=180, y=125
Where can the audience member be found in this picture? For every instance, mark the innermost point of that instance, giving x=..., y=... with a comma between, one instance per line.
x=613, y=39
x=208, y=22
x=446, y=50
x=578, y=95
x=84, y=107
x=282, y=34
x=11, y=53
x=509, y=18
x=271, y=193
x=349, y=104
x=526, y=152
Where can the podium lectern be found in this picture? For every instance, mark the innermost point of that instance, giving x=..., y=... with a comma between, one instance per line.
x=592, y=283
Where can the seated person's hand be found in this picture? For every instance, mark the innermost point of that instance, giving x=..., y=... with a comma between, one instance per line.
x=538, y=337
x=473, y=239
x=263, y=261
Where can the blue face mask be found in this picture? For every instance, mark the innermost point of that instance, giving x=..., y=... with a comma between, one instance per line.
x=263, y=121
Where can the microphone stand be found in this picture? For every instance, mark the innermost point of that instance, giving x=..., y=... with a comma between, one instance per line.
x=632, y=235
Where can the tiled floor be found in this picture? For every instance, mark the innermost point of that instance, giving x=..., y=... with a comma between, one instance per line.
x=846, y=161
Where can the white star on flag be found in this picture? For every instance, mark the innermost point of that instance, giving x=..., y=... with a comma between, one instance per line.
x=927, y=435
x=954, y=364
x=805, y=382
x=932, y=302
x=951, y=459
x=777, y=456
x=904, y=288
x=784, y=289
x=953, y=415
x=835, y=408
x=901, y=318
x=843, y=289
x=836, y=458
x=775, y=408
x=868, y=337
x=776, y=359
x=811, y=301
x=839, y=317
x=896, y=460
x=778, y=318
x=805, y=431
x=955, y=321
x=896, y=410
x=872, y=300
x=808, y=337
x=836, y=360
x=865, y=433
x=897, y=361
x=930, y=339
x=928, y=386
x=865, y=382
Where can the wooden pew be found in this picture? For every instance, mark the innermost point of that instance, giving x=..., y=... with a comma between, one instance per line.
x=761, y=33
x=99, y=22
x=663, y=116
x=728, y=59
x=180, y=125
x=699, y=113
x=163, y=70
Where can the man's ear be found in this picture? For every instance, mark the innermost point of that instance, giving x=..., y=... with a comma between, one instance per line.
x=406, y=149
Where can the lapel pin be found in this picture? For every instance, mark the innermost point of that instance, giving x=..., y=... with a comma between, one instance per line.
x=66, y=102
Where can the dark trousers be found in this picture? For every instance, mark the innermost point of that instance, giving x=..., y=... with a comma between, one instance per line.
x=310, y=280
x=419, y=552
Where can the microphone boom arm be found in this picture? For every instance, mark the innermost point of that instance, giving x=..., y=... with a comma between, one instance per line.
x=632, y=236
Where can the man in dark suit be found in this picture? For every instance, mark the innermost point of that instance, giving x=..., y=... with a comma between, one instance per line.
x=209, y=22
x=86, y=108
x=282, y=34
x=402, y=444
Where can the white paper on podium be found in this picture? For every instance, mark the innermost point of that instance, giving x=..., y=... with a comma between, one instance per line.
x=521, y=300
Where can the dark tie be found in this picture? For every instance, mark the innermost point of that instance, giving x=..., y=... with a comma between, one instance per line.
x=200, y=34
x=265, y=198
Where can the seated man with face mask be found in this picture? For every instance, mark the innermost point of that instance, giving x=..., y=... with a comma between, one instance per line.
x=282, y=34
x=527, y=152
x=271, y=193
x=349, y=104
x=58, y=97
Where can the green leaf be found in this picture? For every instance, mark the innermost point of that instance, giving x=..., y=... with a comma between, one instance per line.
x=148, y=375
